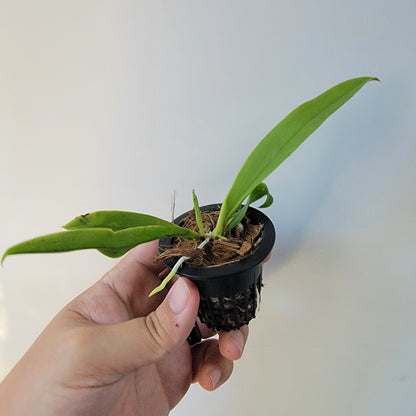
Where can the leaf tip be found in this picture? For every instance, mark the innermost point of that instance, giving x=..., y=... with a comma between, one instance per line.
x=3, y=257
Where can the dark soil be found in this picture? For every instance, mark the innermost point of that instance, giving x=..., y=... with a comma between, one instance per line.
x=228, y=313
x=239, y=242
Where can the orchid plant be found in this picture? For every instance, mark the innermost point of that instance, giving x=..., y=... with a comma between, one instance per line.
x=114, y=233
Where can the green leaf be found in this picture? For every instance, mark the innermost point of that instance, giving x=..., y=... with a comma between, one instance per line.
x=114, y=220
x=259, y=192
x=197, y=211
x=110, y=243
x=282, y=141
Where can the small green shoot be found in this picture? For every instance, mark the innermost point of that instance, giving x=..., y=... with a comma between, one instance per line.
x=197, y=211
x=258, y=192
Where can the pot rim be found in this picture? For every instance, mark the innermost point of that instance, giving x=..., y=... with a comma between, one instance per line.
x=256, y=257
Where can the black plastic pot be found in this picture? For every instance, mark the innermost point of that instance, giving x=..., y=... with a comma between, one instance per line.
x=229, y=293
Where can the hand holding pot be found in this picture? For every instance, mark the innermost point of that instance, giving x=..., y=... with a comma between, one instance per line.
x=114, y=351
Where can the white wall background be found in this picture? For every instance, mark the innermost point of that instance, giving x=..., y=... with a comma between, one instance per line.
x=115, y=104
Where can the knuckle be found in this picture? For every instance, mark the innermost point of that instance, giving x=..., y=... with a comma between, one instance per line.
x=160, y=337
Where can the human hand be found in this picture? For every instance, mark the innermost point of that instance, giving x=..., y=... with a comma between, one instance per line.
x=114, y=351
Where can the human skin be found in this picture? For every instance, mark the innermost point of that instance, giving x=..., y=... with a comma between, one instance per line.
x=114, y=351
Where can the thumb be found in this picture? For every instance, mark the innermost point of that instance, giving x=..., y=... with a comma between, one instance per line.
x=131, y=344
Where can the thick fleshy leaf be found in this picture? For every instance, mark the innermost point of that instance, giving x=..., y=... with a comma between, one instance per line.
x=282, y=141
x=110, y=243
x=114, y=220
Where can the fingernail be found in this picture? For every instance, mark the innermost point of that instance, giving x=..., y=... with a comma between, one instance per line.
x=215, y=376
x=238, y=340
x=179, y=296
